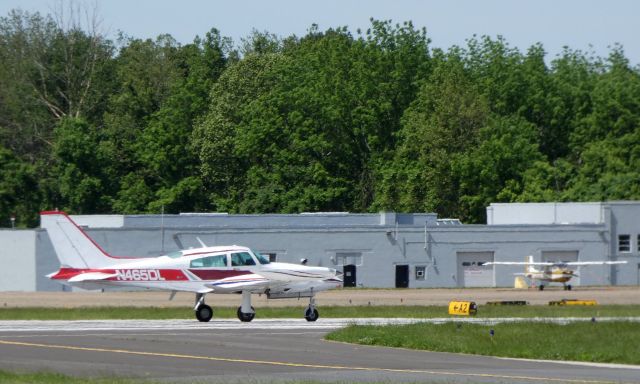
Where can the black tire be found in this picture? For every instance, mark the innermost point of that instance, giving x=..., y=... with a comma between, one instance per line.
x=204, y=313
x=311, y=314
x=568, y=287
x=246, y=317
x=541, y=287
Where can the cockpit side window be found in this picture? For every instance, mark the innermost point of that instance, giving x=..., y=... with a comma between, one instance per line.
x=219, y=261
x=241, y=258
x=261, y=259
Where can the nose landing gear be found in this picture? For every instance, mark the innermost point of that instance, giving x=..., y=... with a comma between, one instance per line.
x=311, y=313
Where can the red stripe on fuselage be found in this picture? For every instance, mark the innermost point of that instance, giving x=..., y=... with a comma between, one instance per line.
x=165, y=274
x=217, y=274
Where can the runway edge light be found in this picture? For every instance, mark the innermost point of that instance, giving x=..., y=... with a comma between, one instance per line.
x=463, y=308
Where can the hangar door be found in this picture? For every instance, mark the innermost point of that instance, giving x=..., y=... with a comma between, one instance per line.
x=563, y=256
x=472, y=272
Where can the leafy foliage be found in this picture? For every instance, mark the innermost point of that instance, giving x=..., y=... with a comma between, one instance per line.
x=329, y=121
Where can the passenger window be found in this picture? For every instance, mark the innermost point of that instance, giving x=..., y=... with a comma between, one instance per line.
x=241, y=258
x=218, y=261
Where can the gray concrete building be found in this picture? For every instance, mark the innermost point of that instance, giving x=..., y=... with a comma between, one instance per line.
x=414, y=250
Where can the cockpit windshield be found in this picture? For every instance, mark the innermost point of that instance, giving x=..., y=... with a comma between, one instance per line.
x=175, y=255
x=261, y=259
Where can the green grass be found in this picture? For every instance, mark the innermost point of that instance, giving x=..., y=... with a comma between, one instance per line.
x=606, y=342
x=57, y=378
x=95, y=313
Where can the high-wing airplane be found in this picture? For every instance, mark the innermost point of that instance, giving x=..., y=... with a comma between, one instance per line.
x=220, y=269
x=551, y=272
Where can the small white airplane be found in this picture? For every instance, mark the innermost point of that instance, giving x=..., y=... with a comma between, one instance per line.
x=221, y=269
x=552, y=272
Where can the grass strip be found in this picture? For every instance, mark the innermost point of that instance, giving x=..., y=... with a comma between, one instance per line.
x=604, y=342
x=7, y=377
x=153, y=313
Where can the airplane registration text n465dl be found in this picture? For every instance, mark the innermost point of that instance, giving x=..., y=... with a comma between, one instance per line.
x=139, y=275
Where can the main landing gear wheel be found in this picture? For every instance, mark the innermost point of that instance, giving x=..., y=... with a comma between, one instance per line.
x=311, y=314
x=246, y=317
x=541, y=287
x=204, y=313
x=567, y=287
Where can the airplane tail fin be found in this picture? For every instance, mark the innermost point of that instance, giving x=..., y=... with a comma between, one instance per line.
x=74, y=248
x=529, y=268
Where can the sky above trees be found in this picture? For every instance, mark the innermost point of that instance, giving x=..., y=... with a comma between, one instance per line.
x=580, y=24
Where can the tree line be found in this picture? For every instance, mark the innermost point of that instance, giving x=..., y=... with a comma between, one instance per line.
x=330, y=121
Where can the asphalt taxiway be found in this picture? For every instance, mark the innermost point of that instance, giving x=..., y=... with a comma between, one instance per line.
x=260, y=351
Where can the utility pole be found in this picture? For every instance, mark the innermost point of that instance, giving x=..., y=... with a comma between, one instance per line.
x=162, y=229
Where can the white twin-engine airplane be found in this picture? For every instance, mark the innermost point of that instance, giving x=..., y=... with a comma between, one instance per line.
x=551, y=272
x=221, y=269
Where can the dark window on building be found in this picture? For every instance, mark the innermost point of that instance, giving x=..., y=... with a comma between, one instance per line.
x=421, y=272
x=348, y=258
x=273, y=257
x=624, y=243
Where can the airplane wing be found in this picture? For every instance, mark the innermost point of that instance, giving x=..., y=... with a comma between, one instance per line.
x=251, y=281
x=518, y=263
x=593, y=262
x=552, y=264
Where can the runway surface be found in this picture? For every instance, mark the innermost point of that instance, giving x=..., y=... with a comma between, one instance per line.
x=261, y=351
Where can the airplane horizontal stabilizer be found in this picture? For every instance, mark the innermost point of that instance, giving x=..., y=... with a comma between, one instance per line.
x=518, y=263
x=594, y=262
x=91, y=276
x=554, y=264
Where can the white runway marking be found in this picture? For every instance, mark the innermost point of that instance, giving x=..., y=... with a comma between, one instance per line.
x=583, y=363
x=271, y=324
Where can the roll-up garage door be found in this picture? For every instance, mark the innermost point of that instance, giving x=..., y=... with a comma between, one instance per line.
x=472, y=272
x=563, y=256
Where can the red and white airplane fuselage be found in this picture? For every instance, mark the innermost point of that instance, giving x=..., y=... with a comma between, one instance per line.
x=185, y=273
x=220, y=269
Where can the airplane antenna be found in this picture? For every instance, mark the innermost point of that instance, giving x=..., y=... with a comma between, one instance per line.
x=201, y=242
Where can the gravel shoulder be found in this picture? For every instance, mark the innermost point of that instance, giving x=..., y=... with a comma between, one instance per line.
x=339, y=297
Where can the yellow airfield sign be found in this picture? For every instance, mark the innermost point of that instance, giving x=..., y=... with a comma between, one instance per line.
x=462, y=308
